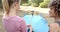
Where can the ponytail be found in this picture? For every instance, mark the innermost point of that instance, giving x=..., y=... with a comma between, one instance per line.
x=5, y=6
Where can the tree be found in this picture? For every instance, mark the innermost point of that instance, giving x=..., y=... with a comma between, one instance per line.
x=35, y=2
x=44, y=4
x=0, y=3
x=24, y=1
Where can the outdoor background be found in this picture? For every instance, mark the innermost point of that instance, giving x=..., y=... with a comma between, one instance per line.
x=39, y=6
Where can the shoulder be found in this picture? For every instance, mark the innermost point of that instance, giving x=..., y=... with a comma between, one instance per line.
x=54, y=25
x=20, y=18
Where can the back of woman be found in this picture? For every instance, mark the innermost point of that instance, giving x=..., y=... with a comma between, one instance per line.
x=12, y=22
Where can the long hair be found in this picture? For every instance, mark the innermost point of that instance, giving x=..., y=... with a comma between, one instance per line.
x=7, y=4
x=56, y=4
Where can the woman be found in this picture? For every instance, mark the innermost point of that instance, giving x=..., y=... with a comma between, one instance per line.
x=11, y=21
x=55, y=13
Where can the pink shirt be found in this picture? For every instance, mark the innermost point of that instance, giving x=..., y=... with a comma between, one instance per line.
x=14, y=24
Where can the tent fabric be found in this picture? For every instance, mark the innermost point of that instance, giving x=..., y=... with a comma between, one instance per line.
x=38, y=23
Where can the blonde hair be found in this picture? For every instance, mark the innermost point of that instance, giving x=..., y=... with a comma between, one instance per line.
x=7, y=4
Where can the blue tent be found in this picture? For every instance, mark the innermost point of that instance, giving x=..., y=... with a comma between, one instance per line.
x=38, y=23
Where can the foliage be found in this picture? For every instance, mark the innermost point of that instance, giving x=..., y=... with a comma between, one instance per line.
x=24, y=1
x=35, y=2
x=0, y=3
x=44, y=4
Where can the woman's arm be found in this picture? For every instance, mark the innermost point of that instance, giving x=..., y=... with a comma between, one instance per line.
x=30, y=27
x=54, y=27
x=23, y=26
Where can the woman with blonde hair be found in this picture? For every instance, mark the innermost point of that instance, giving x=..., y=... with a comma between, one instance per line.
x=11, y=21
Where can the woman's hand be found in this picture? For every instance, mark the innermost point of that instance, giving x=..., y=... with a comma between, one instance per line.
x=29, y=26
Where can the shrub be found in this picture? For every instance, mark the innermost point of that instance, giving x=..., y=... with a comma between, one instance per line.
x=25, y=4
x=47, y=1
x=34, y=5
x=44, y=4
x=0, y=3
x=35, y=2
x=24, y=1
